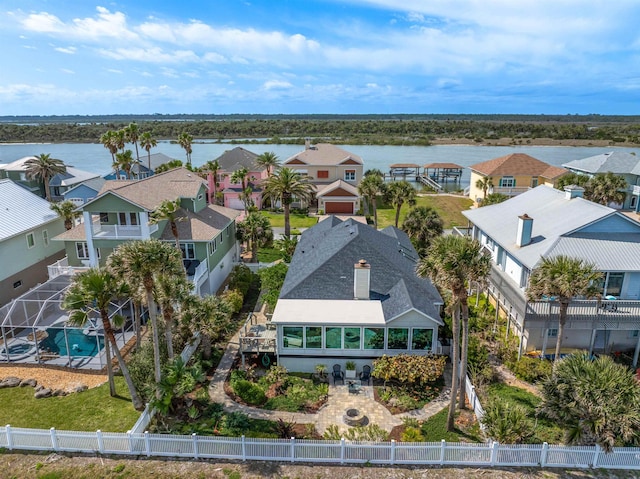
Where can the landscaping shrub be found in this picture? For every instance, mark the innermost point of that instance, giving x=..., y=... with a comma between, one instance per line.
x=236, y=423
x=272, y=280
x=507, y=423
x=234, y=298
x=241, y=278
x=407, y=368
x=531, y=369
x=372, y=432
x=249, y=392
x=412, y=434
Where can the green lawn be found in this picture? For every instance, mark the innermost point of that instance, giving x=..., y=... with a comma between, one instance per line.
x=434, y=429
x=297, y=220
x=546, y=430
x=86, y=411
x=448, y=207
x=269, y=255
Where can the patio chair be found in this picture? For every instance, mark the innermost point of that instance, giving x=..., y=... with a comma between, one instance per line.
x=365, y=375
x=337, y=374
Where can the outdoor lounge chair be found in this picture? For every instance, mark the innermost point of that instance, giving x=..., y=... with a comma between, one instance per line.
x=365, y=375
x=337, y=374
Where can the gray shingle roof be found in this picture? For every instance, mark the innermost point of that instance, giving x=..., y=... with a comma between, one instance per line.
x=232, y=160
x=21, y=210
x=323, y=267
x=73, y=176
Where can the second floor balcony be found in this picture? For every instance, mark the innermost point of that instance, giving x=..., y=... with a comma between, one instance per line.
x=102, y=231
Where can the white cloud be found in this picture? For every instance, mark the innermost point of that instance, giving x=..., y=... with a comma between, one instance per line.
x=113, y=70
x=68, y=71
x=151, y=55
x=276, y=85
x=67, y=50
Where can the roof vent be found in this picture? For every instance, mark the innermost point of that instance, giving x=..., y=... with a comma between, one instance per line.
x=573, y=191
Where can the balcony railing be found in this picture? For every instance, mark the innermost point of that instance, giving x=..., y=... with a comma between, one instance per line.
x=62, y=267
x=635, y=190
x=586, y=310
x=119, y=231
x=516, y=190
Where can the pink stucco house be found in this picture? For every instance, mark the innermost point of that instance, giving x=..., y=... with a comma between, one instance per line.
x=231, y=161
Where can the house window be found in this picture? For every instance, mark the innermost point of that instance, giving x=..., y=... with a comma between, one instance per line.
x=373, y=338
x=421, y=339
x=104, y=218
x=534, y=181
x=212, y=246
x=634, y=333
x=82, y=250
x=398, y=338
x=351, y=338
x=350, y=175
x=292, y=336
x=507, y=182
x=333, y=338
x=313, y=337
x=17, y=284
x=614, y=284
x=128, y=219
x=323, y=174
x=188, y=250
x=552, y=332
x=228, y=231
x=31, y=241
x=45, y=237
x=200, y=196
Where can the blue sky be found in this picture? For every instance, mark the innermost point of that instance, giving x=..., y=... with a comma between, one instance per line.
x=319, y=56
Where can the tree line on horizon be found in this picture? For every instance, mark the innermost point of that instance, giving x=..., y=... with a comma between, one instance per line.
x=348, y=130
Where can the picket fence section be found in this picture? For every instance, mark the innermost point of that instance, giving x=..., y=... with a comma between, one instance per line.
x=317, y=451
x=474, y=401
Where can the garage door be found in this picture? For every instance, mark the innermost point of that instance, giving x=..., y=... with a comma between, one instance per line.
x=345, y=207
x=236, y=204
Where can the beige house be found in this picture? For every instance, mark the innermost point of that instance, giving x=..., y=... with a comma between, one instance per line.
x=338, y=198
x=512, y=174
x=326, y=163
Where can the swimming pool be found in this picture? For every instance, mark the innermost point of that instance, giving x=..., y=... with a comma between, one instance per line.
x=18, y=349
x=79, y=344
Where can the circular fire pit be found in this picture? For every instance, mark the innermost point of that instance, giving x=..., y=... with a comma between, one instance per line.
x=354, y=417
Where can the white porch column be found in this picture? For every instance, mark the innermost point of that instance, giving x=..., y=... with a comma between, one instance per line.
x=144, y=225
x=88, y=232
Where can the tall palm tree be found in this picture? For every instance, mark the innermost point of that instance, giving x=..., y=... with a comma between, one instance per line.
x=255, y=229
x=67, y=211
x=398, y=193
x=606, y=188
x=422, y=224
x=452, y=262
x=95, y=289
x=43, y=168
x=370, y=187
x=142, y=263
x=147, y=142
x=132, y=135
x=119, y=139
x=564, y=278
x=212, y=168
x=168, y=211
x=240, y=177
x=107, y=140
x=125, y=162
x=485, y=184
x=172, y=291
x=269, y=161
x=285, y=184
x=185, y=140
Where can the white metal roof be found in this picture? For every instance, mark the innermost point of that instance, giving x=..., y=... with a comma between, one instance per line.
x=553, y=215
x=323, y=311
x=609, y=252
x=21, y=210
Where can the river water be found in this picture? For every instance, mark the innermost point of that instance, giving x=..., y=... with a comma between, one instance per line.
x=95, y=158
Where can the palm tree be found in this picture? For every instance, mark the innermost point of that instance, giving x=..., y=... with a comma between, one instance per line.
x=107, y=140
x=125, y=162
x=287, y=246
x=594, y=400
x=132, y=135
x=398, y=193
x=168, y=211
x=452, y=262
x=485, y=183
x=212, y=168
x=285, y=184
x=564, y=278
x=119, y=139
x=240, y=177
x=255, y=229
x=494, y=199
x=171, y=291
x=606, y=188
x=208, y=316
x=147, y=142
x=185, y=140
x=370, y=187
x=67, y=211
x=422, y=224
x=43, y=168
x=96, y=289
x=572, y=179
x=142, y=263
x=269, y=161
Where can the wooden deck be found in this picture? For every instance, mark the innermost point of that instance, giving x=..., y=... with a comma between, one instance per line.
x=258, y=335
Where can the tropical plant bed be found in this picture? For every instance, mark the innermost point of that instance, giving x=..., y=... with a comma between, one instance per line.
x=399, y=398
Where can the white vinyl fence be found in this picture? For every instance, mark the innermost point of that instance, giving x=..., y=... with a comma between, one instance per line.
x=473, y=399
x=317, y=451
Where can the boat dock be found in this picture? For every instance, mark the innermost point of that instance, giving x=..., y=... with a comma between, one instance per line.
x=432, y=175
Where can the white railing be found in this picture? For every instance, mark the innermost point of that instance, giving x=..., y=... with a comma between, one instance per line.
x=200, y=271
x=120, y=231
x=513, y=191
x=636, y=190
x=62, y=267
x=318, y=451
x=473, y=399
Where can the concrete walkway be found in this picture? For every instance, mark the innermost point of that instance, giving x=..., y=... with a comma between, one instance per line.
x=338, y=402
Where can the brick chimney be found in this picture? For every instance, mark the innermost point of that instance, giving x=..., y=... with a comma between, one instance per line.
x=361, y=279
x=525, y=226
x=307, y=143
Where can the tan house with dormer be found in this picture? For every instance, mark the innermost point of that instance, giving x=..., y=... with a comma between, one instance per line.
x=512, y=174
x=326, y=163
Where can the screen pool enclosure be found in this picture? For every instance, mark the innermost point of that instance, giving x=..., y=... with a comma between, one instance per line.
x=34, y=329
